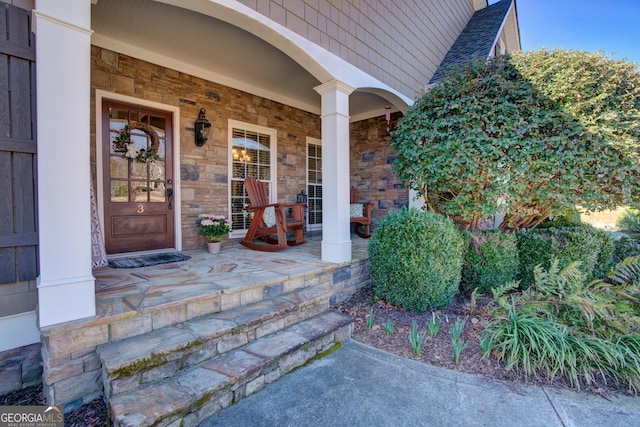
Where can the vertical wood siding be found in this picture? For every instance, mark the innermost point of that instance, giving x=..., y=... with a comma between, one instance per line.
x=18, y=218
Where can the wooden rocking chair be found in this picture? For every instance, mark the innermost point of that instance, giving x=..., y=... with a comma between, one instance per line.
x=360, y=215
x=270, y=219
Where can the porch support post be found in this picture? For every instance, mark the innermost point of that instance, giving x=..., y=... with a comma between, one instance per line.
x=336, y=239
x=63, y=60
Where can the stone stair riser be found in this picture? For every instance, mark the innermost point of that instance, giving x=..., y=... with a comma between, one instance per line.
x=193, y=395
x=268, y=376
x=162, y=365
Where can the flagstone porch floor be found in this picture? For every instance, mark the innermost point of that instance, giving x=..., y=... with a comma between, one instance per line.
x=127, y=291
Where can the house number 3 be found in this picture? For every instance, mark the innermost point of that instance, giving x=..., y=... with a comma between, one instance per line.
x=140, y=209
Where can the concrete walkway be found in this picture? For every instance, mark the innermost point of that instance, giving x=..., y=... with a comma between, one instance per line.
x=358, y=385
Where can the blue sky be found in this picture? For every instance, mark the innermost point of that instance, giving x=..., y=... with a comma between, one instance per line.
x=591, y=25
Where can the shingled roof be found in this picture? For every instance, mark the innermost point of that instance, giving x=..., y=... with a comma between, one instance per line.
x=477, y=39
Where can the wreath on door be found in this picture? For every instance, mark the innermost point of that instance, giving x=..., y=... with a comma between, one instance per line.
x=122, y=143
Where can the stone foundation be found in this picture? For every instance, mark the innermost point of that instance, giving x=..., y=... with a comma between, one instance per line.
x=72, y=373
x=20, y=367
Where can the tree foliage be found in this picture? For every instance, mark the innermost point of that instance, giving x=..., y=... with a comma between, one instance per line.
x=529, y=135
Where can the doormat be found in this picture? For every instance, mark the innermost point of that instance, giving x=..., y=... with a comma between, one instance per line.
x=148, y=260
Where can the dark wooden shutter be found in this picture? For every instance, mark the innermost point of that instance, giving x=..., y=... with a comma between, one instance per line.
x=18, y=197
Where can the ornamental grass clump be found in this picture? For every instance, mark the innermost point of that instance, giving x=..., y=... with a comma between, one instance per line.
x=564, y=325
x=415, y=260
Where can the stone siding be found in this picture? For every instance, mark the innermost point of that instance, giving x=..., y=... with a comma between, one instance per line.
x=204, y=170
x=20, y=367
x=401, y=43
x=371, y=167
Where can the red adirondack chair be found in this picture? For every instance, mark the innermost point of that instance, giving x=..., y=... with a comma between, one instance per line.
x=271, y=219
x=360, y=215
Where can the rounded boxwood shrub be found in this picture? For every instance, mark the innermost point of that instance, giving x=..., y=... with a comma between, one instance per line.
x=416, y=259
x=594, y=247
x=490, y=260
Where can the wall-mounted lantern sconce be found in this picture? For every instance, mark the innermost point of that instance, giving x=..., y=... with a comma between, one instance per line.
x=202, y=128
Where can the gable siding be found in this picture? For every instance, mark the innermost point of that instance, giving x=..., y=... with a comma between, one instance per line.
x=510, y=32
x=18, y=221
x=399, y=42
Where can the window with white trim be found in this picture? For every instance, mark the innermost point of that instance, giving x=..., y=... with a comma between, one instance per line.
x=314, y=183
x=252, y=152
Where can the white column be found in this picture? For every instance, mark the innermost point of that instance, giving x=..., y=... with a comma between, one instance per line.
x=63, y=64
x=336, y=239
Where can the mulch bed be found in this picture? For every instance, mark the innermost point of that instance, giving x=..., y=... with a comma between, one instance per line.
x=93, y=414
x=437, y=350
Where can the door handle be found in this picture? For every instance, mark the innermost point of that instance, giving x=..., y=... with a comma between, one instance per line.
x=169, y=192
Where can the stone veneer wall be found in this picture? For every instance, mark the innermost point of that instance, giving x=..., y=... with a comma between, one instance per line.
x=20, y=367
x=371, y=166
x=204, y=170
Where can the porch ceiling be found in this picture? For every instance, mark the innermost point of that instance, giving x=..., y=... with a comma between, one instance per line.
x=215, y=50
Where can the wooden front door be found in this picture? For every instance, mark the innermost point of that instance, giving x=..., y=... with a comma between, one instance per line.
x=138, y=178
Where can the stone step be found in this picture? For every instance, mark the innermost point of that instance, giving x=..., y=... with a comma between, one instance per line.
x=192, y=395
x=158, y=354
x=167, y=300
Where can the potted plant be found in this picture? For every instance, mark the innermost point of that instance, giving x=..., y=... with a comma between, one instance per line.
x=214, y=228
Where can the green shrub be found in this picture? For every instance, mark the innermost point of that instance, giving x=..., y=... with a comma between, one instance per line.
x=605, y=257
x=629, y=220
x=490, y=259
x=415, y=259
x=534, y=248
x=625, y=247
x=583, y=242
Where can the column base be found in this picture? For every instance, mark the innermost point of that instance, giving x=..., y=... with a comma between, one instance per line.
x=65, y=300
x=336, y=251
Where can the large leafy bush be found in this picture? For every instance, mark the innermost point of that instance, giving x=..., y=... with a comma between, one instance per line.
x=490, y=260
x=592, y=246
x=415, y=259
x=530, y=135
